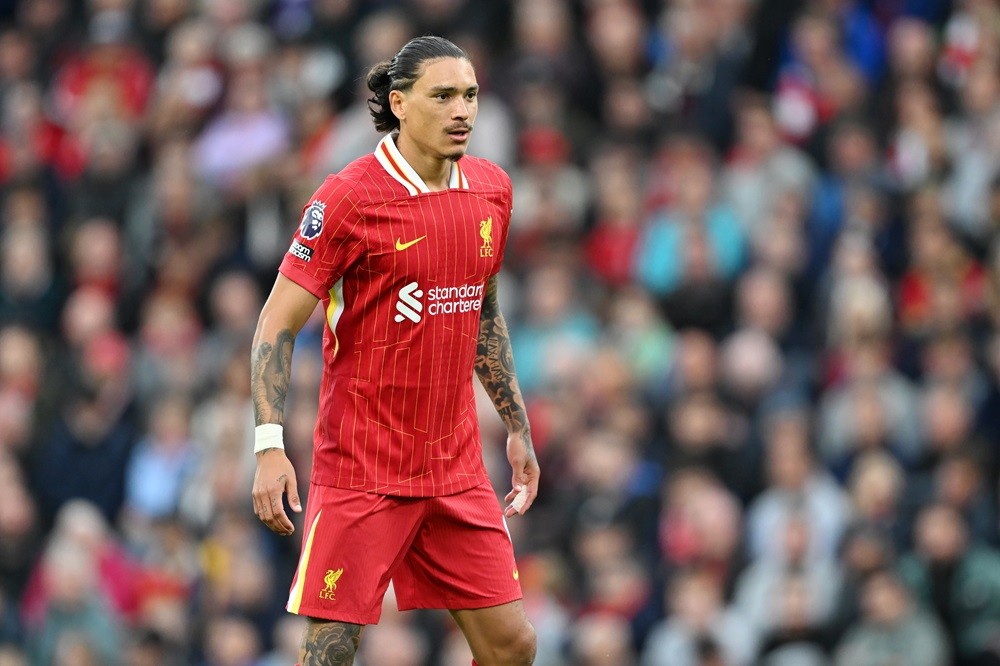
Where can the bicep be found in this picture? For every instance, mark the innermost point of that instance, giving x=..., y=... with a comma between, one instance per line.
x=288, y=306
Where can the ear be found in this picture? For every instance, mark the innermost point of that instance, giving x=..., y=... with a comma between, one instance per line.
x=397, y=102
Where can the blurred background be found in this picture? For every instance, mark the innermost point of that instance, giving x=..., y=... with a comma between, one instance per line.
x=753, y=285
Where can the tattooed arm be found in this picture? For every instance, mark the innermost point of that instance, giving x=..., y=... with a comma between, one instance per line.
x=495, y=368
x=285, y=312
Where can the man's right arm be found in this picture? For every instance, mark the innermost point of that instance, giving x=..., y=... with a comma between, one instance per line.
x=285, y=312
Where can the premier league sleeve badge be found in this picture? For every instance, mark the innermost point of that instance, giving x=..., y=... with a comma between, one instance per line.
x=312, y=220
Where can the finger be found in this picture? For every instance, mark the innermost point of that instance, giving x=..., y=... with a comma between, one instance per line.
x=528, y=502
x=270, y=515
x=281, y=521
x=531, y=495
x=510, y=496
x=291, y=488
x=517, y=504
x=259, y=506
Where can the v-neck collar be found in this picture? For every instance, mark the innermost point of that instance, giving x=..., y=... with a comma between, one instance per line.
x=392, y=161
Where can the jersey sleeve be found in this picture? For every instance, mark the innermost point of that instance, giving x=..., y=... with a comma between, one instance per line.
x=328, y=239
x=507, y=204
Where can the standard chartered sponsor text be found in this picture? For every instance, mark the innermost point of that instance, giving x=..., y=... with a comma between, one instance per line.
x=453, y=300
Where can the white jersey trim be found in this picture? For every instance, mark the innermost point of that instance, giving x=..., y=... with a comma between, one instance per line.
x=392, y=161
x=334, y=311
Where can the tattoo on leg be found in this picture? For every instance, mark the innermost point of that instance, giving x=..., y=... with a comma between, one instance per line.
x=330, y=643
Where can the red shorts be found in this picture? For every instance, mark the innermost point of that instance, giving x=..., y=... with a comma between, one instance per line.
x=449, y=552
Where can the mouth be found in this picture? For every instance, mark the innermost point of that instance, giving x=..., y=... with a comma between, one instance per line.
x=459, y=134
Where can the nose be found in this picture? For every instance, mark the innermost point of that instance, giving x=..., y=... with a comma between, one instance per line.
x=460, y=109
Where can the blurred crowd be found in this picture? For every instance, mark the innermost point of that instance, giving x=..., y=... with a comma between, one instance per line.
x=753, y=284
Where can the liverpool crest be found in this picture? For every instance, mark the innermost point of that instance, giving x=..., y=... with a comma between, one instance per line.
x=486, y=232
x=331, y=579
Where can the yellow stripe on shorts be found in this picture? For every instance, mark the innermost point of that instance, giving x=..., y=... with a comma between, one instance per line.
x=295, y=596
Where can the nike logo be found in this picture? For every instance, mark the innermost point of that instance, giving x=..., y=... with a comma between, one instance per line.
x=400, y=245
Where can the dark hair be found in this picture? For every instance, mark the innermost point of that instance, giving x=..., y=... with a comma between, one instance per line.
x=401, y=72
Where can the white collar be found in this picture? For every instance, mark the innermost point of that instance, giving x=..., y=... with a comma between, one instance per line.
x=392, y=161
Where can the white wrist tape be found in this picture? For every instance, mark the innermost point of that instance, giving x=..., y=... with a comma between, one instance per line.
x=267, y=436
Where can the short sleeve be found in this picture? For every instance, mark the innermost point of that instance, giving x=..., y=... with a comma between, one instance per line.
x=507, y=204
x=328, y=239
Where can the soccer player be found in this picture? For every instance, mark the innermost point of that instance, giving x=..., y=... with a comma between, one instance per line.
x=403, y=248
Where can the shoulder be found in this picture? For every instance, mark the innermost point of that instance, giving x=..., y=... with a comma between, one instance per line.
x=336, y=192
x=484, y=175
x=360, y=175
x=357, y=185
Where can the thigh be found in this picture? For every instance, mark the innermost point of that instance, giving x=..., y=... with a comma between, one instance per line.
x=461, y=558
x=498, y=634
x=353, y=543
x=329, y=643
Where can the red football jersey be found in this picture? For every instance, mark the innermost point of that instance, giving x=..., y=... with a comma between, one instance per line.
x=401, y=271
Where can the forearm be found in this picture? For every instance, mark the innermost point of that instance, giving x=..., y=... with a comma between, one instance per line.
x=495, y=365
x=270, y=371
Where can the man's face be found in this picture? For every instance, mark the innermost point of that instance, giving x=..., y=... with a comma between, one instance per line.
x=437, y=113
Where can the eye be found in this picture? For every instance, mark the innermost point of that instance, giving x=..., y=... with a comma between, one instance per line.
x=472, y=94
x=441, y=96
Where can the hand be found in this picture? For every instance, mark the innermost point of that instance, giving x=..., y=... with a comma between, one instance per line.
x=524, y=465
x=274, y=477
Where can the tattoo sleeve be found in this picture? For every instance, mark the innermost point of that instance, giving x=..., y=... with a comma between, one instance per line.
x=270, y=372
x=330, y=643
x=495, y=363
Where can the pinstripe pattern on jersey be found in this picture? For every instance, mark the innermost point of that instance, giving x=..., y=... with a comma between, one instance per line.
x=397, y=409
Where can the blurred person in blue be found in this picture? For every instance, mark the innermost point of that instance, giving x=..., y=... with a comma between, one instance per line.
x=83, y=453
x=162, y=462
x=693, y=247
x=798, y=486
x=553, y=325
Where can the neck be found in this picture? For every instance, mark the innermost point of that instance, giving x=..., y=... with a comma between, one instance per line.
x=434, y=171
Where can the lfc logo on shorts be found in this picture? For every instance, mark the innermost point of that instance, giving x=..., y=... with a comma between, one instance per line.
x=331, y=579
x=486, y=232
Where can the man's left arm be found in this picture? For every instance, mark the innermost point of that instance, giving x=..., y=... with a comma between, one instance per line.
x=495, y=368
